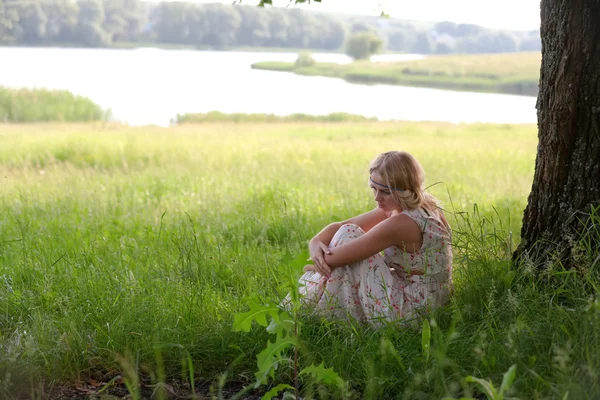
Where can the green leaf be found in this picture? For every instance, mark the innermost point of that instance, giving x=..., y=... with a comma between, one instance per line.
x=426, y=338
x=508, y=379
x=326, y=375
x=487, y=387
x=263, y=2
x=258, y=313
x=296, y=265
x=275, y=391
x=387, y=349
x=284, y=323
x=268, y=360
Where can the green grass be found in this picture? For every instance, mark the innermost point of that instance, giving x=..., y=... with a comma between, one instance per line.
x=136, y=246
x=512, y=73
x=217, y=116
x=43, y=105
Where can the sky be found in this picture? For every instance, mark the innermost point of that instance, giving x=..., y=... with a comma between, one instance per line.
x=502, y=14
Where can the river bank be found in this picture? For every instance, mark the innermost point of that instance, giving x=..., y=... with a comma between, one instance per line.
x=510, y=73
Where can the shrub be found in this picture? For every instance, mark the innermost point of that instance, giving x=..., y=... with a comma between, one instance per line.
x=304, y=59
x=363, y=45
x=40, y=105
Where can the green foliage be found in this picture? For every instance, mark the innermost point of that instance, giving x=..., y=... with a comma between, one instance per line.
x=62, y=19
x=274, y=66
x=426, y=338
x=275, y=391
x=243, y=321
x=488, y=388
x=326, y=375
x=90, y=25
x=286, y=327
x=34, y=105
x=271, y=357
x=362, y=45
x=304, y=59
x=32, y=23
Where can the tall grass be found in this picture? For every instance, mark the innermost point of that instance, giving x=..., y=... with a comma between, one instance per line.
x=43, y=105
x=512, y=73
x=131, y=250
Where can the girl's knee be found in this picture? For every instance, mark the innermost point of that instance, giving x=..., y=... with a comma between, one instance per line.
x=346, y=233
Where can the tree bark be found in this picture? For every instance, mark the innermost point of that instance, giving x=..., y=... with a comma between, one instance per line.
x=566, y=183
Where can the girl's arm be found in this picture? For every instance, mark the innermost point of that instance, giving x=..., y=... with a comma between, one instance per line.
x=366, y=221
x=400, y=230
x=318, y=245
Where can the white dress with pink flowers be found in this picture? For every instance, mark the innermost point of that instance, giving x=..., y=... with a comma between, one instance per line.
x=378, y=289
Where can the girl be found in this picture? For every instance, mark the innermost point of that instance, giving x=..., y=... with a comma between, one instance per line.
x=390, y=263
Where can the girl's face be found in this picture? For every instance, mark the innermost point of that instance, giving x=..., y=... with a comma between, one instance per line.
x=382, y=194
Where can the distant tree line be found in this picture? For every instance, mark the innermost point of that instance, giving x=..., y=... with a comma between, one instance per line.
x=91, y=23
x=101, y=23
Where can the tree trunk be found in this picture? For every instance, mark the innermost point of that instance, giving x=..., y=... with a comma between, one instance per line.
x=567, y=170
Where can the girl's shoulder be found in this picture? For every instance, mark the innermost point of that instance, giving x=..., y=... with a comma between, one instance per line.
x=428, y=218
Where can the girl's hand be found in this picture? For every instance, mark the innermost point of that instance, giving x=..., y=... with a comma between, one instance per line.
x=317, y=250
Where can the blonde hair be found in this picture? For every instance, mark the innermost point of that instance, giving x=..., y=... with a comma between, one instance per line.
x=401, y=170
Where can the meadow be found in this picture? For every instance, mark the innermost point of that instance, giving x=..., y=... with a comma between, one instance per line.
x=125, y=253
x=511, y=73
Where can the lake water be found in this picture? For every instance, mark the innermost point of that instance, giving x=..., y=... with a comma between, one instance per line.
x=151, y=86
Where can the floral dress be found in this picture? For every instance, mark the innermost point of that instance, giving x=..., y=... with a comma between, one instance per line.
x=380, y=288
